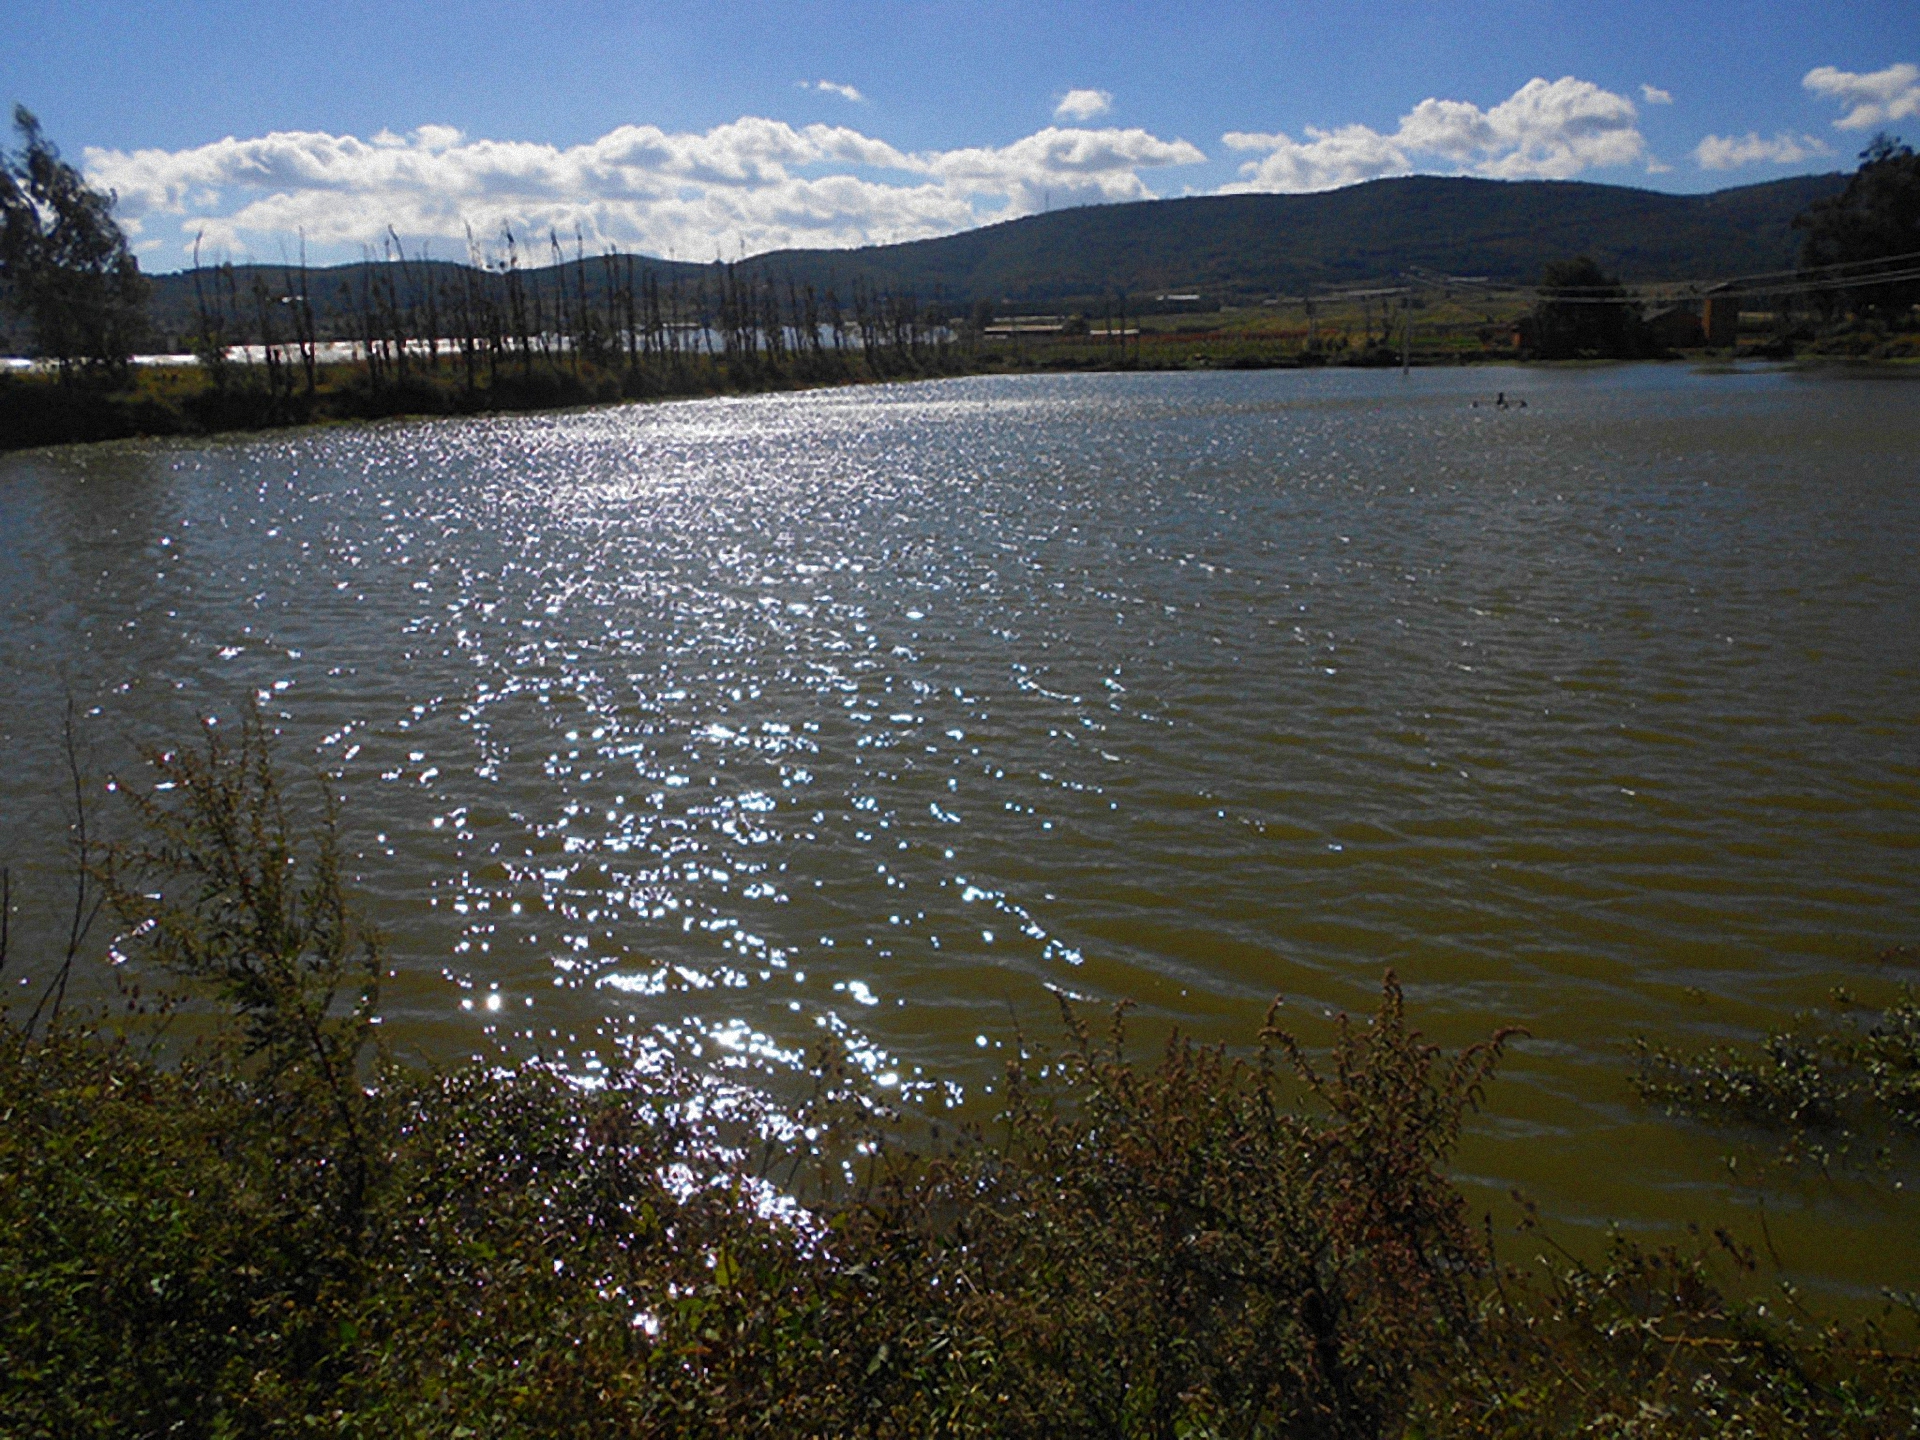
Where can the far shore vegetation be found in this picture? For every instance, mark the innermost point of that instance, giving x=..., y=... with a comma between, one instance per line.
x=538, y=323
x=227, y=1210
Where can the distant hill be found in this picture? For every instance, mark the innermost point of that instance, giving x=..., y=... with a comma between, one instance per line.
x=1237, y=247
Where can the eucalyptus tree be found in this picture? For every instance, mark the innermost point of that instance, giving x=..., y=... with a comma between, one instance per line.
x=65, y=264
x=1871, y=228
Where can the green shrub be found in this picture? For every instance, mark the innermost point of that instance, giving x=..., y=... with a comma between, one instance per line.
x=1648, y=1345
x=1824, y=1086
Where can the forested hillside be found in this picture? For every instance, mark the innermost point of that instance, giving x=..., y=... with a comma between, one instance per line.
x=1233, y=247
x=1255, y=245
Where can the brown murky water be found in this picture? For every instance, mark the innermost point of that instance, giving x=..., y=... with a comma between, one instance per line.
x=714, y=725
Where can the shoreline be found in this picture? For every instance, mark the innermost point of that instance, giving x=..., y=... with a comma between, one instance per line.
x=38, y=412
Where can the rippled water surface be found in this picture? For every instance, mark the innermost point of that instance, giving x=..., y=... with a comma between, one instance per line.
x=714, y=725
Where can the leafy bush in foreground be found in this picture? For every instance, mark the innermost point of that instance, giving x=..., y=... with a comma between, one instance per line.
x=280, y=1231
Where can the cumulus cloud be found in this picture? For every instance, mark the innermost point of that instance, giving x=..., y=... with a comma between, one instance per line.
x=750, y=185
x=1083, y=104
x=1874, y=99
x=1547, y=129
x=1729, y=152
x=830, y=87
x=1325, y=160
x=1069, y=167
x=1654, y=95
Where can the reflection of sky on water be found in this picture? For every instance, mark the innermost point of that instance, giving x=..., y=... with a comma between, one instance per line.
x=717, y=699
x=727, y=728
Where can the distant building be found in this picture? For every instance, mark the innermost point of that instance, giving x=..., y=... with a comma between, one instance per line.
x=1720, y=318
x=1033, y=325
x=1676, y=328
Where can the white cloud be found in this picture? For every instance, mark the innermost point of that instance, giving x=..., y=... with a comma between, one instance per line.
x=1729, y=152
x=750, y=185
x=1545, y=130
x=1083, y=104
x=1069, y=167
x=830, y=87
x=1325, y=160
x=1654, y=95
x=1876, y=98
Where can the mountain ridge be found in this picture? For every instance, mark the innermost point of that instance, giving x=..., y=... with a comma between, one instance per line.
x=1242, y=247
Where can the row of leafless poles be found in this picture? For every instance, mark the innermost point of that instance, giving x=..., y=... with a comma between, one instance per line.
x=403, y=316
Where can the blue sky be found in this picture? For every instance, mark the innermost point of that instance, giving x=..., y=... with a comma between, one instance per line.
x=704, y=129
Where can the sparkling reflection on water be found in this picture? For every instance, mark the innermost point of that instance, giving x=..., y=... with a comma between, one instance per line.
x=718, y=726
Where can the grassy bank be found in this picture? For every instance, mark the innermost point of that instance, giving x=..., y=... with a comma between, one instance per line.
x=410, y=378
x=274, y=1228
x=38, y=409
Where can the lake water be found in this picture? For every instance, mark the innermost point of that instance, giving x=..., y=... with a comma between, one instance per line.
x=716, y=726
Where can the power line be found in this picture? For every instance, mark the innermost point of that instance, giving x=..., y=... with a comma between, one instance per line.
x=1814, y=280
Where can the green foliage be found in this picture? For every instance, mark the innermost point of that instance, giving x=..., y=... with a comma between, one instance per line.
x=1583, y=312
x=275, y=1230
x=218, y=893
x=1826, y=1084
x=122, y=1279
x=1648, y=1345
x=65, y=264
x=1875, y=219
x=1220, y=1246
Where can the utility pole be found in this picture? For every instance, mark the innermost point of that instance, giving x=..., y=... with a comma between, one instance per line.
x=1406, y=329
